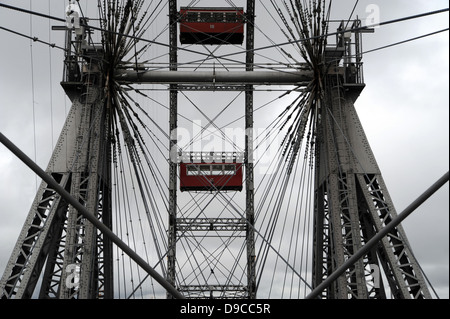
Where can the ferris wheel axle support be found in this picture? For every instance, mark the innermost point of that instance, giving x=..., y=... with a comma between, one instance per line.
x=379, y=236
x=219, y=77
x=89, y=216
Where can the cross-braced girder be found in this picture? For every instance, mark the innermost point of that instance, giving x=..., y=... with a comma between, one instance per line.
x=351, y=201
x=184, y=232
x=352, y=204
x=77, y=258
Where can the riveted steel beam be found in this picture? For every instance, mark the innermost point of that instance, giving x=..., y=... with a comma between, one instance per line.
x=300, y=77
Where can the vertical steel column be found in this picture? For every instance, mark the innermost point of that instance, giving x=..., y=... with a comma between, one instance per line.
x=51, y=182
x=249, y=188
x=55, y=234
x=84, y=246
x=172, y=239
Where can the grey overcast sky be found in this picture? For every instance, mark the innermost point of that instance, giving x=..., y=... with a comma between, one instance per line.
x=404, y=109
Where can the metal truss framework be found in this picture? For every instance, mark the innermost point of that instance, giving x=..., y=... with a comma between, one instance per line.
x=351, y=205
x=248, y=157
x=173, y=173
x=180, y=228
x=77, y=257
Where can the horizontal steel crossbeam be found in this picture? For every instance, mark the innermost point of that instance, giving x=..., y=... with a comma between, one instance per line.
x=300, y=77
x=211, y=224
x=214, y=291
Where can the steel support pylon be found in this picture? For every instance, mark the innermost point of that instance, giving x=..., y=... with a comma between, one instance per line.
x=56, y=242
x=173, y=167
x=248, y=160
x=352, y=203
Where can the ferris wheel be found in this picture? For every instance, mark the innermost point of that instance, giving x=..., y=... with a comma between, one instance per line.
x=221, y=147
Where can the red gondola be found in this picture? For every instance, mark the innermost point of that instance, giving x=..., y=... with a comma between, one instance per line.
x=211, y=25
x=211, y=172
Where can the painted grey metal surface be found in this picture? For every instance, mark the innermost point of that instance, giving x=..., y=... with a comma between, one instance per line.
x=379, y=236
x=352, y=205
x=173, y=167
x=256, y=77
x=89, y=216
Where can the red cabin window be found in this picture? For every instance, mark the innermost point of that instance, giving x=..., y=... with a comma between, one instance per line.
x=211, y=25
x=211, y=172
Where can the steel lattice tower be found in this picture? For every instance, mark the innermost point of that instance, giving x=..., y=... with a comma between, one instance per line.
x=178, y=227
x=352, y=202
x=55, y=234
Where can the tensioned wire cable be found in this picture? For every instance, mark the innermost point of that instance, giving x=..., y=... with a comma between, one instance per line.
x=279, y=181
x=275, y=175
x=212, y=259
x=341, y=130
x=295, y=227
x=244, y=51
x=211, y=121
x=151, y=163
x=276, y=253
x=33, y=100
x=50, y=79
x=132, y=162
x=137, y=173
x=52, y=45
x=219, y=46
